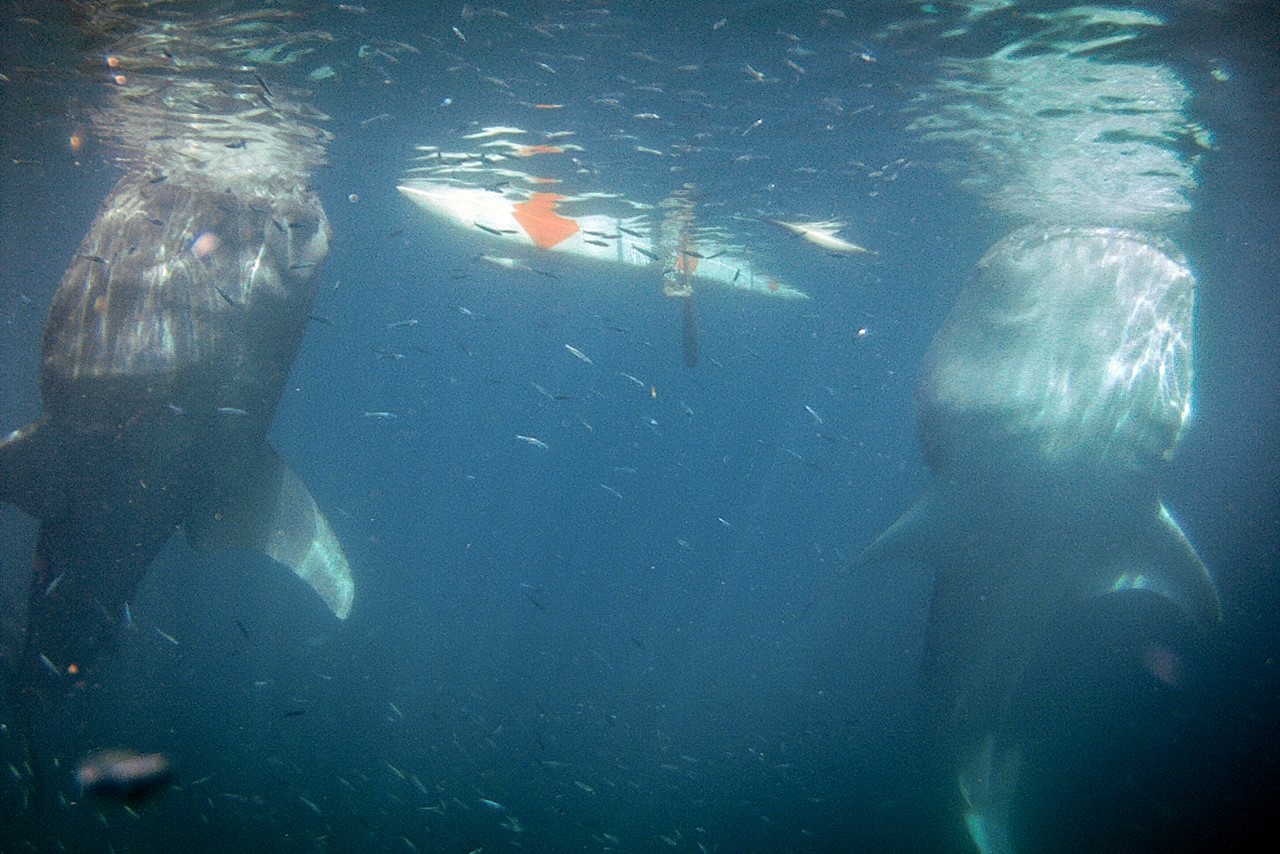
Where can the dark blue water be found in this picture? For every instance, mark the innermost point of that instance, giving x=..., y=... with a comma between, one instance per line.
x=634, y=673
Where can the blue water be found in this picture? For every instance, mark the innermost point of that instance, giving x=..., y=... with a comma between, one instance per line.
x=633, y=673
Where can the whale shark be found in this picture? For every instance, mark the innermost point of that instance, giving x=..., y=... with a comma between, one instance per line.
x=164, y=356
x=1049, y=405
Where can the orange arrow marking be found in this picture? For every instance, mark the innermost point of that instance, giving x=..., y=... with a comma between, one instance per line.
x=540, y=221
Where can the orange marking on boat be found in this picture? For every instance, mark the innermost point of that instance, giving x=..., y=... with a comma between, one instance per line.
x=540, y=221
x=531, y=150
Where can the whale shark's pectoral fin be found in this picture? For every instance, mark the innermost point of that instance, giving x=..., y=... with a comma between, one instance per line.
x=1161, y=560
x=267, y=508
x=916, y=535
x=30, y=479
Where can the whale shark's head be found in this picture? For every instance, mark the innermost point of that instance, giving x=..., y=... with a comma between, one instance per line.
x=1065, y=367
x=182, y=293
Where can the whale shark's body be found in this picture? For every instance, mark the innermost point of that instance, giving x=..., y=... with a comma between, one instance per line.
x=1049, y=404
x=170, y=337
x=164, y=356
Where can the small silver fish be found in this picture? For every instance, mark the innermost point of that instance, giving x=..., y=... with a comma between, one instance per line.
x=581, y=355
x=53, y=585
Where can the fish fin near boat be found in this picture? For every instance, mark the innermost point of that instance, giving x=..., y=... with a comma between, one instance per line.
x=30, y=463
x=266, y=508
